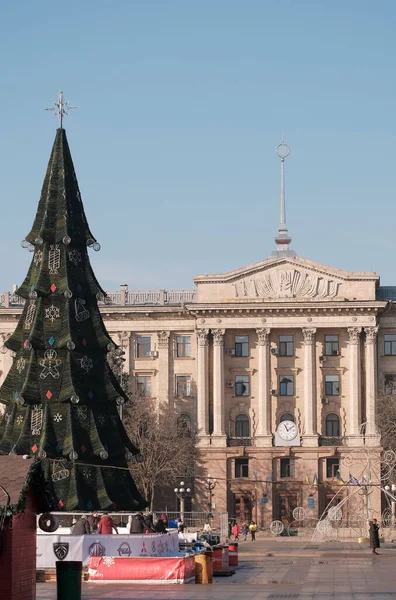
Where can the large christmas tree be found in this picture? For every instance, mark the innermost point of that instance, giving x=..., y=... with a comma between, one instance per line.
x=61, y=395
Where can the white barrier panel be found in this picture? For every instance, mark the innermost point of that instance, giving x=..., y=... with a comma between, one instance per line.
x=51, y=548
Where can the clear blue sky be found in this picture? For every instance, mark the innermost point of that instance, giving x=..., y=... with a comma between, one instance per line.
x=182, y=105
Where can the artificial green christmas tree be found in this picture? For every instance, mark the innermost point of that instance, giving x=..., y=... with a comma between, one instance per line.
x=61, y=396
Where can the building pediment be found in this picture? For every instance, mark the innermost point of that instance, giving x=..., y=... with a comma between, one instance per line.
x=287, y=279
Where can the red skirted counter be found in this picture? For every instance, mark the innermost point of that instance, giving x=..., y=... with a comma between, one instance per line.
x=151, y=570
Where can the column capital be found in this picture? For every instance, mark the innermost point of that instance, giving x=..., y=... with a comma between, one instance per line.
x=163, y=339
x=371, y=334
x=124, y=338
x=202, y=335
x=354, y=334
x=308, y=335
x=263, y=336
x=218, y=337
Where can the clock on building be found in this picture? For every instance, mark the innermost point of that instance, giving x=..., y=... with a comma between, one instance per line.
x=287, y=434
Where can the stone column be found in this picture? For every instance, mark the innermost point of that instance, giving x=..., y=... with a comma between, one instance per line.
x=264, y=435
x=354, y=414
x=218, y=435
x=163, y=366
x=371, y=382
x=203, y=387
x=310, y=437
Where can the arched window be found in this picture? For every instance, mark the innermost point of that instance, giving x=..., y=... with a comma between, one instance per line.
x=242, y=426
x=184, y=424
x=287, y=417
x=332, y=425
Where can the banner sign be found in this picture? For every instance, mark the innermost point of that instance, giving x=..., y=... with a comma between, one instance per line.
x=51, y=548
x=142, y=570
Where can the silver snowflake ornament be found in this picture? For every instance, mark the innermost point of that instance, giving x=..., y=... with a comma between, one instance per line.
x=108, y=561
x=75, y=257
x=57, y=418
x=86, y=363
x=19, y=420
x=52, y=313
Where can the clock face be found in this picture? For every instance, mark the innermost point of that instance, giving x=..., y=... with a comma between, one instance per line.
x=287, y=430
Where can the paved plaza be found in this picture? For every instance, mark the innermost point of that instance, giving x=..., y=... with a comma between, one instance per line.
x=275, y=570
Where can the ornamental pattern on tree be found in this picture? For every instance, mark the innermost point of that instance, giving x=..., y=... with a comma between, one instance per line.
x=60, y=396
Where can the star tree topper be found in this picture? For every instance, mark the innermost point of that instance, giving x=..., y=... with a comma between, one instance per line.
x=61, y=108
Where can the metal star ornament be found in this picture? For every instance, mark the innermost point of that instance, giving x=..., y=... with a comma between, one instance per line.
x=61, y=108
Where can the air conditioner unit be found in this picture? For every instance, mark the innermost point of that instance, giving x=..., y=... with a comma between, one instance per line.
x=322, y=358
x=325, y=400
x=275, y=351
x=274, y=392
x=230, y=351
x=230, y=384
x=153, y=353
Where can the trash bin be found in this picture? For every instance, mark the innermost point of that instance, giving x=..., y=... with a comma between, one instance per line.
x=233, y=554
x=204, y=567
x=68, y=580
x=217, y=558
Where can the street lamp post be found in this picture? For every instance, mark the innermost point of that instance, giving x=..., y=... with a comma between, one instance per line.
x=181, y=493
x=210, y=485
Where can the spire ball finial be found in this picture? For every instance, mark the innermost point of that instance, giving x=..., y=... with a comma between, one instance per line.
x=61, y=108
x=283, y=150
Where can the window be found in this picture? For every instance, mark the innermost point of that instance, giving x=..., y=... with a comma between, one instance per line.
x=390, y=383
x=241, y=345
x=241, y=467
x=390, y=344
x=143, y=347
x=331, y=345
x=183, y=386
x=287, y=417
x=332, y=385
x=287, y=467
x=242, y=426
x=183, y=346
x=332, y=425
x=184, y=424
x=242, y=385
x=332, y=466
x=286, y=385
x=144, y=385
x=286, y=345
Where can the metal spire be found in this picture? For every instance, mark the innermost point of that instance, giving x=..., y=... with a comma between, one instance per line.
x=283, y=239
x=61, y=108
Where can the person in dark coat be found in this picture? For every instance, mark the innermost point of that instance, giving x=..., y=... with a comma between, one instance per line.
x=159, y=526
x=374, y=535
x=93, y=521
x=149, y=524
x=138, y=523
x=81, y=527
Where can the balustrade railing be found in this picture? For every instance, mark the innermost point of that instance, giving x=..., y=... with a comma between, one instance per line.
x=122, y=297
x=239, y=441
x=331, y=440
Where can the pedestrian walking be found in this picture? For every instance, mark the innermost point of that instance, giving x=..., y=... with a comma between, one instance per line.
x=374, y=535
x=159, y=526
x=253, y=529
x=81, y=527
x=245, y=530
x=164, y=518
x=106, y=525
x=180, y=526
x=235, y=531
x=138, y=524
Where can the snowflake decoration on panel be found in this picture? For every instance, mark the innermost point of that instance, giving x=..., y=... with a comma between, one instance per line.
x=52, y=313
x=75, y=257
x=38, y=257
x=50, y=364
x=19, y=420
x=87, y=473
x=101, y=420
x=21, y=364
x=36, y=419
x=30, y=314
x=80, y=412
x=86, y=363
x=54, y=259
x=108, y=561
x=57, y=418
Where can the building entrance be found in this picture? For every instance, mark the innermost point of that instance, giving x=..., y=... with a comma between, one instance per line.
x=287, y=502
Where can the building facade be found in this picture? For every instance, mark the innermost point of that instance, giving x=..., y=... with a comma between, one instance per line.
x=275, y=366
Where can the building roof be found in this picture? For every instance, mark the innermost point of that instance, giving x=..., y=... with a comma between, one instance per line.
x=14, y=476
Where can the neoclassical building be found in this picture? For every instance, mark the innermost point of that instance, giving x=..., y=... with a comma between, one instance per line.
x=275, y=366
